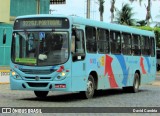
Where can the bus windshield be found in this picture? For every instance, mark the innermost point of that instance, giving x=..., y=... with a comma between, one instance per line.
x=40, y=48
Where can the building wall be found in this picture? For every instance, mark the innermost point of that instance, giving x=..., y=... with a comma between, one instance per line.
x=5, y=47
x=9, y=9
x=28, y=7
x=4, y=10
x=44, y=6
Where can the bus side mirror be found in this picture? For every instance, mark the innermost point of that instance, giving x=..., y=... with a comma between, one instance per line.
x=4, y=38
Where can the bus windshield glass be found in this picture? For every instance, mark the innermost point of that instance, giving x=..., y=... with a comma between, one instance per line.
x=40, y=48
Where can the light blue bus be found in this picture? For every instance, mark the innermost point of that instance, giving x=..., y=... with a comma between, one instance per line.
x=73, y=54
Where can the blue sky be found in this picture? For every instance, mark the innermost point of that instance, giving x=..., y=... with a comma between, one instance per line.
x=78, y=7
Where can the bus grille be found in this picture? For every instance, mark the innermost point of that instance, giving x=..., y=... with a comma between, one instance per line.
x=40, y=78
x=37, y=84
x=42, y=72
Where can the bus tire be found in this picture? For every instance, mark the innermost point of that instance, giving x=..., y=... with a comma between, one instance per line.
x=41, y=94
x=136, y=83
x=135, y=87
x=90, y=87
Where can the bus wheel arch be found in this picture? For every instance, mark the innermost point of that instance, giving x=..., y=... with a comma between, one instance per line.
x=91, y=85
x=95, y=76
x=134, y=88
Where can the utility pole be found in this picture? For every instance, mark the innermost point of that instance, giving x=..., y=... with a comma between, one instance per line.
x=38, y=6
x=88, y=9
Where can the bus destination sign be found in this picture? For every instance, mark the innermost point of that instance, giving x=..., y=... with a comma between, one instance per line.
x=41, y=23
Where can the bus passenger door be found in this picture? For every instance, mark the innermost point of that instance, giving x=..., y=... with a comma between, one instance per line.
x=78, y=60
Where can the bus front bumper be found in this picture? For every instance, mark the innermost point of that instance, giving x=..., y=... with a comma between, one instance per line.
x=63, y=85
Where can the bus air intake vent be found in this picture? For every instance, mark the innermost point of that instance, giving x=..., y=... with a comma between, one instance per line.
x=37, y=84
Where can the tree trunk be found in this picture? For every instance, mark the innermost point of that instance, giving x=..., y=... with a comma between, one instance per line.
x=148, y=9
x=112, y=10
x=101, y=17
x=101, y=9
x=112, y=17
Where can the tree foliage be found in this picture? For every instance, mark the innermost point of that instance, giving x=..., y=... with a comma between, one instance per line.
x=125, y=15
x=156, y=31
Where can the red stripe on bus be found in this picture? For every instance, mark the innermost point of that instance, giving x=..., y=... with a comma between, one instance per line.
x=108, y=69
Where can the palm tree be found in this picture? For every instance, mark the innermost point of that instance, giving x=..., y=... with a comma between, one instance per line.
x=101, y=8
x=124, y=16
x=140, y=1
x=148, y=10
x=112, y=9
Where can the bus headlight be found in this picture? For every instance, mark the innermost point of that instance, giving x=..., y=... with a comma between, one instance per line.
x=61, y=76
x=15, y=75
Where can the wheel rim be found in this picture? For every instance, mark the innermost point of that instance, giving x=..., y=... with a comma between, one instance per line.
x=136, y=83
x=90, y=87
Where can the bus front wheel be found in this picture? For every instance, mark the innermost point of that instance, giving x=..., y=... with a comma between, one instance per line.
x=41, y=94
x=90, y=87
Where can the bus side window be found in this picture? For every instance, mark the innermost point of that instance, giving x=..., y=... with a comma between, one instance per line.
x=80, y=41
x=91, y=39
x=152, y=46
x=77, y=45
x=103, y=39
x=126, y=43
x=136, y=45
x=145, y=45
x=115, y=41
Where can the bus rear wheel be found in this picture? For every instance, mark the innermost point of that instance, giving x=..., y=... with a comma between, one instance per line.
x=90, y=87
x=136, y=83
x=41, y=94
x=135, y=87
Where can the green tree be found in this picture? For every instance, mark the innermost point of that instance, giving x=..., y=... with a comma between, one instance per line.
x=125, y=15
x=101, y=8
x=156, y=31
